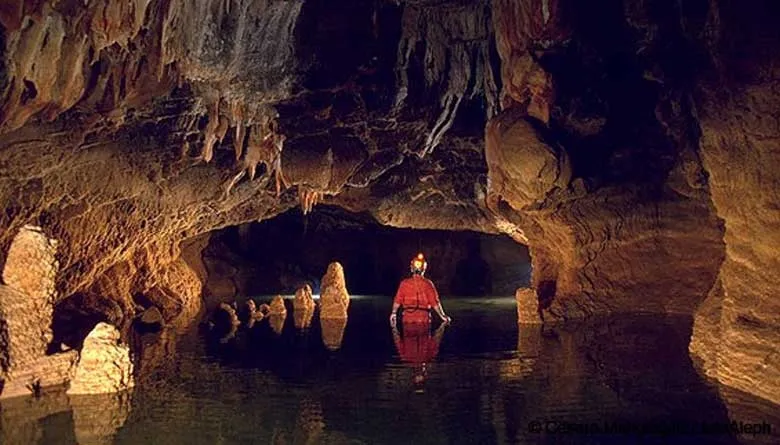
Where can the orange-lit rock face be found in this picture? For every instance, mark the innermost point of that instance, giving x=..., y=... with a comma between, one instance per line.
x=27, y=302
x=603, y=241
x=737, y=330
x=104, y=364
x=303, y=307
x=334, y=298
x=605, y=234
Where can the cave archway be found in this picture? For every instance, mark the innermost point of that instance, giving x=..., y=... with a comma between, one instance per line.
x=279, y=255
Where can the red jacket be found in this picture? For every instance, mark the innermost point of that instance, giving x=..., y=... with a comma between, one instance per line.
x=416, y=295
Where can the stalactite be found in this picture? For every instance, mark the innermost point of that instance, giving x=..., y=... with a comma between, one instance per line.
x=456, y=60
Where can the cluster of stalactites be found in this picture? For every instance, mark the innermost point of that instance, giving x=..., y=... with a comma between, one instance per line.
x=308, y=198
x=456, y=44
x=255, y=140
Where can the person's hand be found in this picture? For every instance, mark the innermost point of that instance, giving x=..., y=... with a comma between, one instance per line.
x=392, y=319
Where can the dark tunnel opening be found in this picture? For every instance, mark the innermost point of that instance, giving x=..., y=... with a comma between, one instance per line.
x=281, y=254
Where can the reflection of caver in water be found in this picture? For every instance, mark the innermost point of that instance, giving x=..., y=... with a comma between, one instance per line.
x=417, y=296
x=418, y=348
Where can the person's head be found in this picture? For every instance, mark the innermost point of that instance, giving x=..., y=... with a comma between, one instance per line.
x=418, y=265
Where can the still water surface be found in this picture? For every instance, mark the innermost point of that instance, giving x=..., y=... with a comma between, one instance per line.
x=485, y=381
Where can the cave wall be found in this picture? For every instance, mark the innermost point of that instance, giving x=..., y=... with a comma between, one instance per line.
x=641, y=172
x=593, y=161
x=737, y=330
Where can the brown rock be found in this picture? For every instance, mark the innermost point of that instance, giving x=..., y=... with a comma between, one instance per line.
x=303, y=307
x=304, y=301
x=104, y=364
x=35, y=377
x=334, y=299
x=523, y=169
x=277, y=306
x=27, y=302
x=152, y=316
x=737, y=329
x=527, y=306
x=230, y=311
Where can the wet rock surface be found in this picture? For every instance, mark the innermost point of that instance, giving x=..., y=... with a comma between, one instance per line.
x=104, y=364
x=334, y=298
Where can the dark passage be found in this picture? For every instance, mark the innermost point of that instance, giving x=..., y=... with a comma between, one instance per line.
x=278, y=255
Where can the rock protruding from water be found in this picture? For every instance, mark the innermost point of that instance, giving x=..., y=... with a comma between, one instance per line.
x=527, y=306
x=104, y=364
x=304, y=300
x=303, y=307
x=27, y=300
x=277, y=306
x=255, y=314
x=334, y=298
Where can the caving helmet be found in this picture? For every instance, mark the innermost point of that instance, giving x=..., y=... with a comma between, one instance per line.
x=418, y=264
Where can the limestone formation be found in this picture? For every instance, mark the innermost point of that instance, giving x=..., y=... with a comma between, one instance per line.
x=303, y=307
x=152, y=316
x=527, y=306
x=737, y=329
x=229, y=312
x=334, y=298
x=277, y=314
x=104, y=364
x=253, y=314
x=27, y=299
x=26, y=312
x=35, y=378
x=304, y=301
x=303, y=319
x=277, y=306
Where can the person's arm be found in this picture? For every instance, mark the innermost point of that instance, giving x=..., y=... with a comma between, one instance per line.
x=436, y=304
x=396, y=305
x=393, y=314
